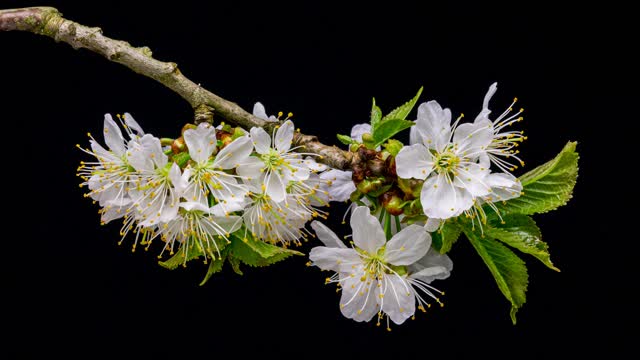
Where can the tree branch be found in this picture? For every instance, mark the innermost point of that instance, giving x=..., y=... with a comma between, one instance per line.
x=49, y=22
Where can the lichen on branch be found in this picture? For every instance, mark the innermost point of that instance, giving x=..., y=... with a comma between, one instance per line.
x=49, y=22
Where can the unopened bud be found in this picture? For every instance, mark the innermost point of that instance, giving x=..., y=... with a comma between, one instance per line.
x=392, y=202
x=411, y=187
x=178, y=145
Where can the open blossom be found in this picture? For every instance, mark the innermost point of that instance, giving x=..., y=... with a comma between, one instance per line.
x=198, y=225
x=276, y=163
x=447, y=159
x=208, y=174
x=110, y=178
x=379, y=276
x=501, y=151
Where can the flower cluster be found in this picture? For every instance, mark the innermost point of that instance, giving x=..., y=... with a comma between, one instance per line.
x=206, y=186
x=236, y=196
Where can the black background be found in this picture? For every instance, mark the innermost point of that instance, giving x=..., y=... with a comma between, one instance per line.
x=73, y=288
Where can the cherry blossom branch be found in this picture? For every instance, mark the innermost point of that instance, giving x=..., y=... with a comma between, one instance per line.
x=49, y=22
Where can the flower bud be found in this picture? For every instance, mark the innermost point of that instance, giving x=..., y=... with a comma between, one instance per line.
x=368, y=185
x=178, y=145
x=392, y=202
x=411, y=187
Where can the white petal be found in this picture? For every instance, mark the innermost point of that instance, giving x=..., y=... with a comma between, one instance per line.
x=275, y=187
x=367, y=231
x=358, y=130
x=234, y=154
x=261, y=140
x=224, y=208
x=473, y=139
x=399, y=301
x=359, y=298
x=314, y=165
x=415, y=137
x=443, y=200
x=250, y=168
x=503, y=187
x=113, y=136
x=432, y=224
x=194, y=205
x=175, y=176
x=328, y=237
x=334, y=259
x=284, y=136
x=296, y=170
x=201, y=142
x=260, y=111
x=414, y=161
x=408, y=246
x=484, y=114
x=229, y=224
x=133, y=124
x=340, y=184
x=471, y=177
x=433, y=266
x=434, y=124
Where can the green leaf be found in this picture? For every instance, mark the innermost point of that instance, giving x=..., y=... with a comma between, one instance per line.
x=522, y=233
x=548, y=186
x=446, y=236
x=179, y=257
x=181, y=158
x=403, y=111
x=215, y=266
x=258, y=253
x=507, y=269
x=345, y=139
x=376, y=115
x=388, y=128
x=235, y=264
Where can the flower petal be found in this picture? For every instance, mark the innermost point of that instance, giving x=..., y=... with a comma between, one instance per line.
x=398, y=301
x=503, y=187
x=473, y=139
x=358, y=130
x=326, y=235
x=358, y=300
x=432, y=224
x=408, y=246
x=284, y=136
x=261, y=140
x=433, y=266
x=340, y=184
x=484, y=113
x=367, y=231
x=442, y=200
x=334, y=259
x=250, y=168
x=314, y=165
x=133, y=124
x=113, y=136
x=414, y=161
x=201, y=142
x=434, y=124
x=275, y=187
x=234, y=154
x=471, y=177
x=260, y=111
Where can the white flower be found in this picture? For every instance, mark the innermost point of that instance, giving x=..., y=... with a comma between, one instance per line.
x=447, y=159
x=197, y=225
x=208, y=177
x=501, y=151
x=282, y=222
x=110, y=177
x=377, y=276
x=276, y=163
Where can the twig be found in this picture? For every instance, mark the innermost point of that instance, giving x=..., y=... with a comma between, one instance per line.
x=49, y=22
